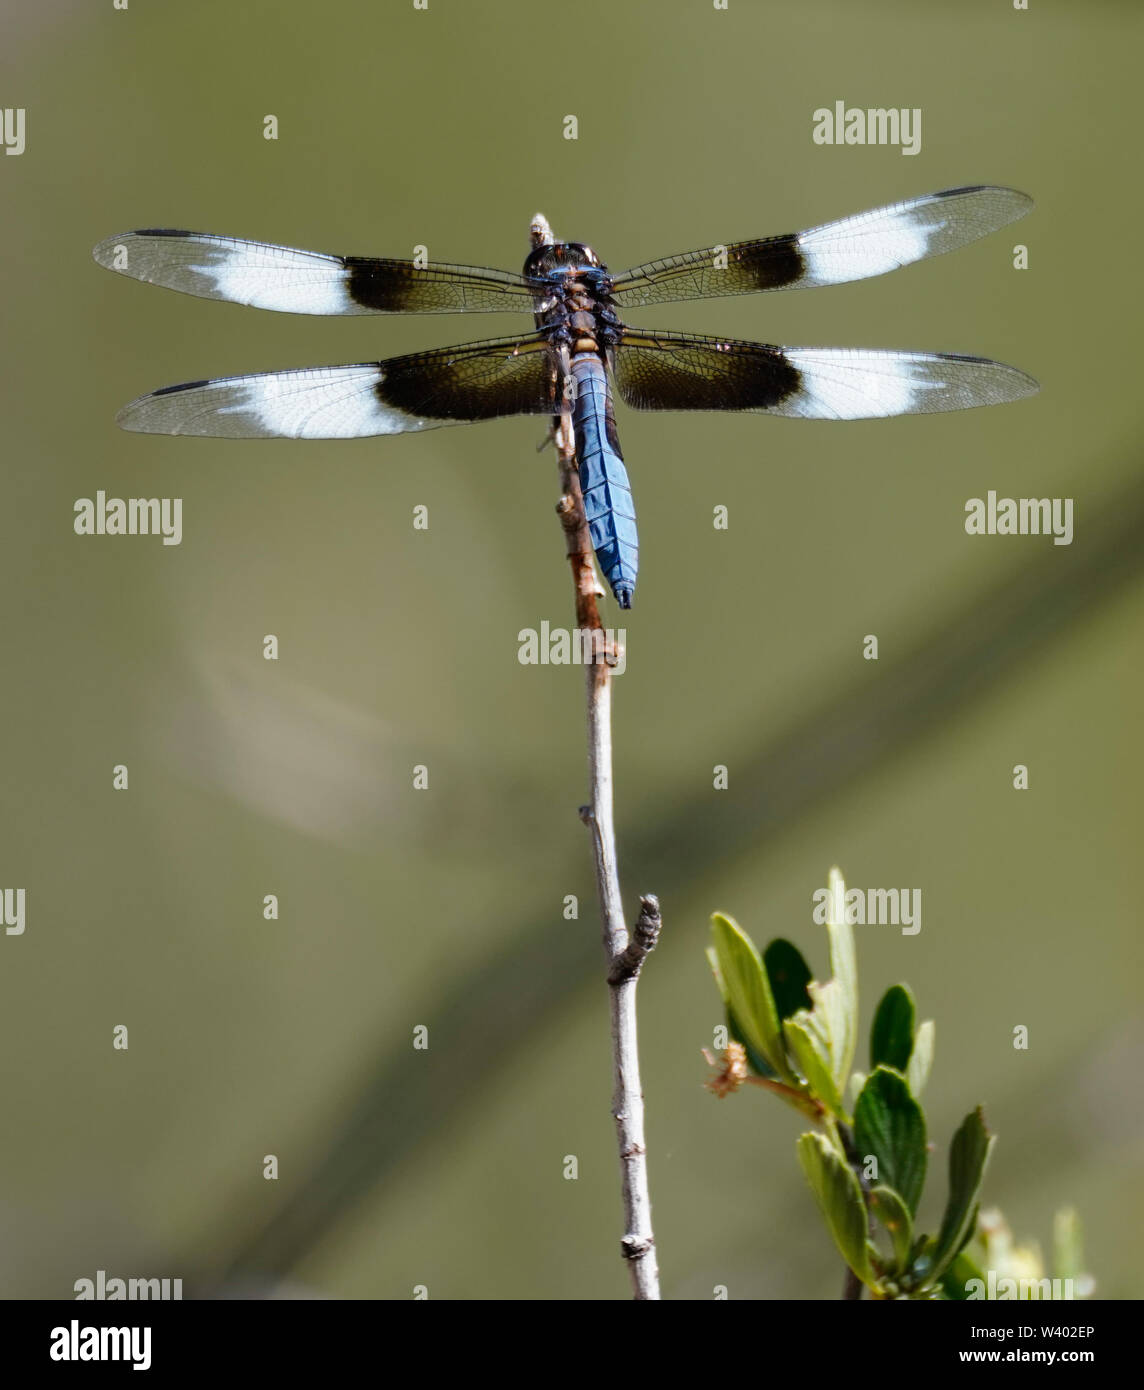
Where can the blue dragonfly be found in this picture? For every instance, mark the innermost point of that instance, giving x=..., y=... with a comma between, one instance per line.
x=579, y=343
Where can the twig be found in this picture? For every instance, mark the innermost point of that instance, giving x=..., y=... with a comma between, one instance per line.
x=625, y=955
x=577, y=541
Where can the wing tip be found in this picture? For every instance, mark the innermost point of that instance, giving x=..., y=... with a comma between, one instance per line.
x=1021, y=384
x=1019, y=203
x=130, y=416
x=1011, y=383
x=103, y=252
x=1024, y=385
x=133, y=417
x=128, y=419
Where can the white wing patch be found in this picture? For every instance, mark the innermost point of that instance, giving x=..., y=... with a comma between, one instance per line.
x=244, y=272
x=851, y=252
x=312, y=403
x=857, y=384
x=873, y=243
x=275, y=277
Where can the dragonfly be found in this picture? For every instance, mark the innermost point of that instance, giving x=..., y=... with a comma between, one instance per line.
x=578, y=345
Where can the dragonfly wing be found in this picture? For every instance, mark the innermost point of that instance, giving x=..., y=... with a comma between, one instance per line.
x=448, y=386
x=854, y=248
x=678, y=371
x=307, y=282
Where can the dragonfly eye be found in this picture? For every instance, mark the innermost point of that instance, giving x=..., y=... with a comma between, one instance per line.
x=561, y=256
x=583, y=254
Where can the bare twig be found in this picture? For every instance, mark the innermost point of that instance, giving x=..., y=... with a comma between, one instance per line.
x=578, y=543
x=625, y=955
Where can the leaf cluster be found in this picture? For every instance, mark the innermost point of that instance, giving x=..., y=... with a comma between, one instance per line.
x=867, y=1166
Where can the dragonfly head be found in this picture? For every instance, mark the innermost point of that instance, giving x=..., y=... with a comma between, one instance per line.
x=559, y=256
x=549, y=256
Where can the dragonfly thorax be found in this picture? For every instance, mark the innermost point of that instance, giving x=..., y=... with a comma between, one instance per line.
x=573, y=297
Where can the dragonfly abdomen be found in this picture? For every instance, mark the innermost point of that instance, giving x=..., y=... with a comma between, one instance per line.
x=608, y=505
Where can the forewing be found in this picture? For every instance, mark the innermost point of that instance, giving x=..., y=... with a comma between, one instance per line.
x=870, y=243
x=307, y=282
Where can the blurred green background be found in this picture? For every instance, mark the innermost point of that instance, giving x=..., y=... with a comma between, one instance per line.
x=444, y=908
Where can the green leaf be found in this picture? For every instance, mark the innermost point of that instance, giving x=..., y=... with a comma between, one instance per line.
x=830, y=1022
x=757, y=1063
x=789, y=976
x=844, y=969
x=970, y=1229
x=748, y=993
x=960, y=1272
x=891, y=1211
x=813, y=1058
x=968, y=1155
x=892, y=1032
x=822, y=1026
x=921, y=1059
x=888, y=1123
x=713, y=962
x=839, y=1198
